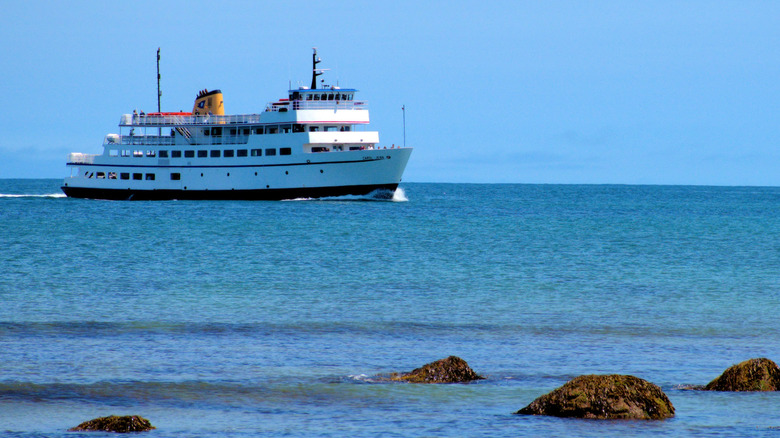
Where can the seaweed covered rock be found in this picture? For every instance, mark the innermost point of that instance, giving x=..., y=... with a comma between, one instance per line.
x=450, y=370
x=604, y=397
x=130, y=423
x=751, y=375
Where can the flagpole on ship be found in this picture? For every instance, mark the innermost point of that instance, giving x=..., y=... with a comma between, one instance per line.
x=403, y=110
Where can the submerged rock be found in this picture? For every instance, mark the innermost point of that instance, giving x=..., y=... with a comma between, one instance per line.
x=130, y=423
x=605, y=397
x=450, y=370
x=751, y=375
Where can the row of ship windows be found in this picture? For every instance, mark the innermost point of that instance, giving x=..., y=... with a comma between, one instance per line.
x=125, y=175
x=217, y=131
x=214, y=153
x=324, y=96
x=175, y=176
x=273, y=129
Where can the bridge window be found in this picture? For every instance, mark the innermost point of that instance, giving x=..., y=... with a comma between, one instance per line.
x=259, y=130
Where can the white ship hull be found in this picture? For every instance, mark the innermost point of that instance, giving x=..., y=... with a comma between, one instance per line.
x=263, y=178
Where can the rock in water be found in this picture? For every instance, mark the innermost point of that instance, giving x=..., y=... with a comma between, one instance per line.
x=605, y=397
x=751, y=375
x=450, y=370
x=130, y=423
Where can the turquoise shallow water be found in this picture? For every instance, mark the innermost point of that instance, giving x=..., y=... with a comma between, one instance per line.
x=275, y=318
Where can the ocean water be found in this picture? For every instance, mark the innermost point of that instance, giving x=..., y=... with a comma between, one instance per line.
x=248, y=319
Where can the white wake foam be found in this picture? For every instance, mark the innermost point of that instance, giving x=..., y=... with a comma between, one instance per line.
x=377, y=195
x=50, y=195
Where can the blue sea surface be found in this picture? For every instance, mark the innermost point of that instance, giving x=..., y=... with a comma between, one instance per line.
x=248, y=319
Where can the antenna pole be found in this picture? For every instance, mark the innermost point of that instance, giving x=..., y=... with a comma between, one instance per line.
x=403, y=109
x=159, y=93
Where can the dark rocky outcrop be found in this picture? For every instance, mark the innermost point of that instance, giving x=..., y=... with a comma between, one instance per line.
x=751, y=375
x=450, y=370
x=604, y=397
x=131, y=423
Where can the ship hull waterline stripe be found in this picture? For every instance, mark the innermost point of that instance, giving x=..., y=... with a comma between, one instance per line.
x=228, y=195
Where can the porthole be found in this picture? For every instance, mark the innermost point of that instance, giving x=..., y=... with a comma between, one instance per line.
x=321, y=171
x=228, y=173
x=201, y=174
x=255, y=173
x=286, y=172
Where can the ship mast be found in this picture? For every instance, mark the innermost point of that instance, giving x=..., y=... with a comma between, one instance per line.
x=314, y=71
x=159, y=93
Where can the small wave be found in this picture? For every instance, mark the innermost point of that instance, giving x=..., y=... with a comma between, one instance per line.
x=361, y=378
x=49, y=195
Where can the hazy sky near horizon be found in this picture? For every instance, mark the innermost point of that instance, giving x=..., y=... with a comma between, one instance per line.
x=626, y=92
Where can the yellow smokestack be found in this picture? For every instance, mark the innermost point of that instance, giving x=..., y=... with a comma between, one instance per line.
x=209, y=102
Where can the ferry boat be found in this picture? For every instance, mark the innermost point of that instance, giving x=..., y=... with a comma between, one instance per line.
x=310, y=144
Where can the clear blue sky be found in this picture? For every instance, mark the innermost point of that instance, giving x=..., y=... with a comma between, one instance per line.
x=629, y=92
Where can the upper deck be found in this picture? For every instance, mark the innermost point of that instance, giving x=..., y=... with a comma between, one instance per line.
x=304, y=106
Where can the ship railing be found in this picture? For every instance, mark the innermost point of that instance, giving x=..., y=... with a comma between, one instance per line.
x=211, y=119
x=177, y=120
x=289, y=105
x=79, y=158
x=146, y=140
x=165, y=140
